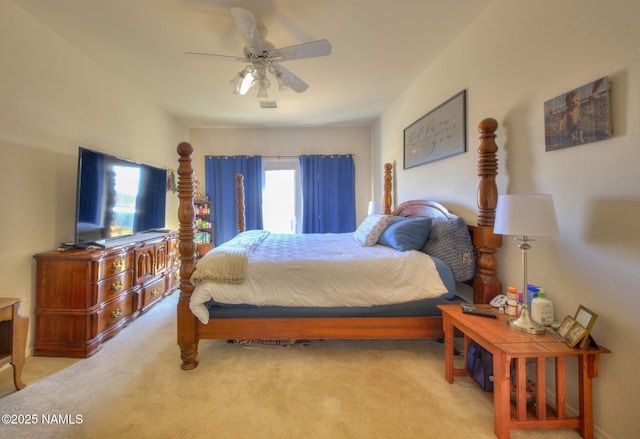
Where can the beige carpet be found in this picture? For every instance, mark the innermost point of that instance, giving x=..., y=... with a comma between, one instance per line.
x=134, y=387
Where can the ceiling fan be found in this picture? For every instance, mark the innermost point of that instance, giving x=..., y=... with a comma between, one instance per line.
x=263, y=57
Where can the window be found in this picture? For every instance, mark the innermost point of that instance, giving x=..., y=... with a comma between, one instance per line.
x=127, y=183
x=281, y=195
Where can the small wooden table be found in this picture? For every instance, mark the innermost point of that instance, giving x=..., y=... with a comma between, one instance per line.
x=506, y=343
x=13, y=337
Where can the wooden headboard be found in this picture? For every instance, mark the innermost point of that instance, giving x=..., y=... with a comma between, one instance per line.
x=423, y=208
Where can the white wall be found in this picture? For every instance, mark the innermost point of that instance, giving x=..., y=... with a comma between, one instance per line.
x=515, y=56
x=292, y=142
x=52, y=100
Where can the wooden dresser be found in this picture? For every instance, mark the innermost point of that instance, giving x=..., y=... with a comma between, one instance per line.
x=86, y=296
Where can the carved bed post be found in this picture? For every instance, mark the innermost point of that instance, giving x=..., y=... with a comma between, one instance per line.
x=242, y=225
x=187, y=325
x=386, y=198
x=486, y=283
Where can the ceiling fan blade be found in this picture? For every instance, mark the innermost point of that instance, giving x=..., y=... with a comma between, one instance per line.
x=304, y=50
x=249, y=30
x=213, y=55
x=289, y=79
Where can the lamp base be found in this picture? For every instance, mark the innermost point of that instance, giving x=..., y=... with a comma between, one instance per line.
x=525, y=323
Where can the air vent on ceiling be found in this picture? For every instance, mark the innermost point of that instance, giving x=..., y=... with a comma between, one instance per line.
x=268, y=104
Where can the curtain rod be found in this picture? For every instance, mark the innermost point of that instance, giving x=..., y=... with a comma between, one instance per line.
x=301, y=155
x=277, y=156
x=280, y=156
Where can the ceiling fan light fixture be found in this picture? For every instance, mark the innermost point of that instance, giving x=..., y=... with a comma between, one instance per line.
x=261, y=56
x=282, y=81
x=263, y=85
x=242, y=82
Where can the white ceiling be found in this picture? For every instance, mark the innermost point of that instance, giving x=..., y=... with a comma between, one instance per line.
x=379, y=48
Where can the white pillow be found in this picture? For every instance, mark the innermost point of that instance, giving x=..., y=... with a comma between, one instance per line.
x=370, y=229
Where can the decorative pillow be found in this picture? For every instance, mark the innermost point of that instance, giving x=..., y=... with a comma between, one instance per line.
x=371, y=228
x=406, y=234
x=450, y=241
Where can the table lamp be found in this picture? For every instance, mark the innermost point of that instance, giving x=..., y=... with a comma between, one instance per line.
x=374, y=207
x=524, y=216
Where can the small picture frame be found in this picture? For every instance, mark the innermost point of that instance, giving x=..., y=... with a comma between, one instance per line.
x=565, y=326
x=575, y=331
x=575, y=335
x=586, y=318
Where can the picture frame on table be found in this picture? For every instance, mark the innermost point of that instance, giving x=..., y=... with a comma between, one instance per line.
x=565, y=326
x=587, y=319
x=576, y=330
x=439, y=134
x=575, y=334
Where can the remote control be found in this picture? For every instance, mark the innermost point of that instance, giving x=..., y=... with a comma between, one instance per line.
x=470, y=309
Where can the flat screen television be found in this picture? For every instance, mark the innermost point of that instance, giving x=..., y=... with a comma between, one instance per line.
x=117, y=197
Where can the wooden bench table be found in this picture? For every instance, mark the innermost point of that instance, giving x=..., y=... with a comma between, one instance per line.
x=507, y=344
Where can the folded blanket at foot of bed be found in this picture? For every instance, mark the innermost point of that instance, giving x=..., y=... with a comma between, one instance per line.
x=228, y=263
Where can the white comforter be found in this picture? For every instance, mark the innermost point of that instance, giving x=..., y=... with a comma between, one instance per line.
x=324, y=270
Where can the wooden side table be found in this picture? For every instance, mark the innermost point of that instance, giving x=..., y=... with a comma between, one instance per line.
x=13, y=337
x=507, y=344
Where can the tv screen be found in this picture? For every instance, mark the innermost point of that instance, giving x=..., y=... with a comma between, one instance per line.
x=117, y=197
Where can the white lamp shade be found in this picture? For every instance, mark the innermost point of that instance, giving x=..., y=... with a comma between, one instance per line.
x=526, y=215
x=374, y=207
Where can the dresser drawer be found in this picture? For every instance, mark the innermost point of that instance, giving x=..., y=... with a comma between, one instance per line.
x=173, y=280
x=114, y=265
x=116, y=312
x=172, y=245
x=162, y=257
x=153, y=291
x=114, y=286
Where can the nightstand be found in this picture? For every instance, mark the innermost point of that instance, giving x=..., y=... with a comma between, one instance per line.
x=505, y=344
x=13, y=337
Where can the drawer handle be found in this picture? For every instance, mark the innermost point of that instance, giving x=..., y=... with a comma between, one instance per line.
x=155, y=292
x=116, y=313
x=117, y=265
x=116, y=286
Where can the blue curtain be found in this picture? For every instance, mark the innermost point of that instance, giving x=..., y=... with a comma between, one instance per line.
x=220, y=175
x=328, y=193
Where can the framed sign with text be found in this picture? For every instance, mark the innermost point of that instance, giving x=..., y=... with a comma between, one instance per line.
x=439, y=134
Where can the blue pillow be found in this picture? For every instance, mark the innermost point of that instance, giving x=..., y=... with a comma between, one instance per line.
x=406, y=234
x=450, y=241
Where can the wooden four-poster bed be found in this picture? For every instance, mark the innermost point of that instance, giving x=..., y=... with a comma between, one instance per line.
x=321, y=325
